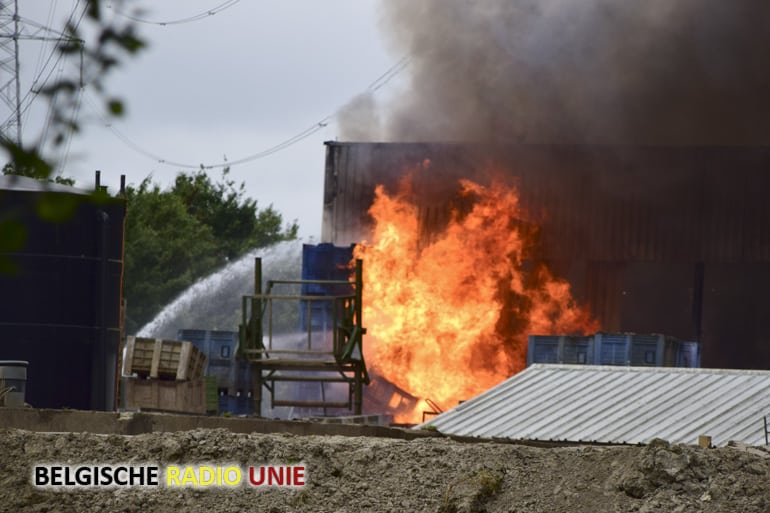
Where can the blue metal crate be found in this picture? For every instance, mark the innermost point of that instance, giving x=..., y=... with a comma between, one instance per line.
x=688, y=355
x=236, y=405
x=613, y=349
x=543, y=349
x=577, y=350
x=639, y=350
x=647, y=350
x=219, y=348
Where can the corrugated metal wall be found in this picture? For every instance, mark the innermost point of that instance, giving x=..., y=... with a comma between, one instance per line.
x=626, y=225
x=595, y=203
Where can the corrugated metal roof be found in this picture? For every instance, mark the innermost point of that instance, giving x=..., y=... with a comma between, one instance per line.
x=617, y=405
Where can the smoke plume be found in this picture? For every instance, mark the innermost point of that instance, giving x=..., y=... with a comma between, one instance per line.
x=578, y=71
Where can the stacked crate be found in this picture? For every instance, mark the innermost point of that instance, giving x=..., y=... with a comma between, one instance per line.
x=232, y=376
x=164, y=375
x=631, y=349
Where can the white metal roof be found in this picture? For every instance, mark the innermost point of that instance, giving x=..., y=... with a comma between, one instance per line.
x=617, y=405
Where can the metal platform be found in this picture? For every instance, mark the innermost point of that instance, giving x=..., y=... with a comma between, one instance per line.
x=312, y=363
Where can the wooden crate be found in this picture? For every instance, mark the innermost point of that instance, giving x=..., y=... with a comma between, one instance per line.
x=166, y=359
x=165, y=395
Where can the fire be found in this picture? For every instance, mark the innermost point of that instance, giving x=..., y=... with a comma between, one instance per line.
x=449, y=317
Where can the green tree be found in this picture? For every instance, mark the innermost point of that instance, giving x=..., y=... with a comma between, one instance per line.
x=235, y=219
x=178, y=235
x=9, y=169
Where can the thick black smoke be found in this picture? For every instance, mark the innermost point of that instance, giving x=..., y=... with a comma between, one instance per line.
x=578, y=71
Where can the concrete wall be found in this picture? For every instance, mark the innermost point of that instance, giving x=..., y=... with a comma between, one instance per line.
x=32, y=419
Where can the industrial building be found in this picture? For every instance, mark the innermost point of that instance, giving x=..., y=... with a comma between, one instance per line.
x=654, y=239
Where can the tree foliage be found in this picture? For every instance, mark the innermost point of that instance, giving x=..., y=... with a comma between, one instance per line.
x=10, y=169
x=177, y=235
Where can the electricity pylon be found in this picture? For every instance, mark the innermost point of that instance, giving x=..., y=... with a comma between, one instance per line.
x=10, y=84
x=14, y=29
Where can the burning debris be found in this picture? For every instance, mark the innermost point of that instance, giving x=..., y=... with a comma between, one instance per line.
x=449, y=314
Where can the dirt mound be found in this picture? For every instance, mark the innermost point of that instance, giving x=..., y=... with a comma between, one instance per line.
x=347, y=474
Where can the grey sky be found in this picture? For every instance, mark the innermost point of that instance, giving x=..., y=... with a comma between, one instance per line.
x=231, y=84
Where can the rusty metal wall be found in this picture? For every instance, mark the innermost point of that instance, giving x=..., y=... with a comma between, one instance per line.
x=625, y=225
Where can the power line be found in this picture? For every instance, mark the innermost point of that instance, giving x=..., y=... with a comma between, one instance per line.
x=312, y=129
x=49, y=22
x=29, y=96
x=205, y=14
x=75, y=113
x=59, y=35
x=392, y=72
x=120, y=134
x=161, y=160
x=35, y=89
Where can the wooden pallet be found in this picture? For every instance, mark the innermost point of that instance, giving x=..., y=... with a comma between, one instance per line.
x=165, y=395
x=163, y=359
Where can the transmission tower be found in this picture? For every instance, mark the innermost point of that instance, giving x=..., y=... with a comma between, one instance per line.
x=15, y=99
x=10, y=84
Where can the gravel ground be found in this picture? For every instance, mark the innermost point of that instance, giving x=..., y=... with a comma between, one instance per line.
x=347, y=474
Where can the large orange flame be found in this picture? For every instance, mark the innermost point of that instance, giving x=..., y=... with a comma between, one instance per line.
x=449, y=318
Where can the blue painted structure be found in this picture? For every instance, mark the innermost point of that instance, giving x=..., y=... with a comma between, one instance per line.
x=323, y=262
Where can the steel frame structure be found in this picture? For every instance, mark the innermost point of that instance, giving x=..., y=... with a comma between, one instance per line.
x=344, y=363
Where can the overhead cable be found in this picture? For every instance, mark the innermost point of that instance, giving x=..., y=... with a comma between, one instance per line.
x=189, y=19
x=304, y=134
